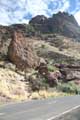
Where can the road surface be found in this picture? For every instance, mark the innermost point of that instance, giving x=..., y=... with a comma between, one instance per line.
x=49, y=109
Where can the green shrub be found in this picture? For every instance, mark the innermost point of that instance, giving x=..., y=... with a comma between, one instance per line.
x=52, y=68
x=30, y=30
x=43, y=46
x=70, y=87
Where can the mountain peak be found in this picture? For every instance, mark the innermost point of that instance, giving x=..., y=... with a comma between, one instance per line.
x=62, y=23
x=39, y=19
x=65, y=16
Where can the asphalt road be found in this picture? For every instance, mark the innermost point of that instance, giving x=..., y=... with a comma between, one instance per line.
x=73, y=115
x=49, y=109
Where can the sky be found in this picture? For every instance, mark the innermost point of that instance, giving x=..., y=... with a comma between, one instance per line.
x=21, y=11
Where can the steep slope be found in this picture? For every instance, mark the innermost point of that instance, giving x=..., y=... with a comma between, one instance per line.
x=46, y=37
x=59, y=49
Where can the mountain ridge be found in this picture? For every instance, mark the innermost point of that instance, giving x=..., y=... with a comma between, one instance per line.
x=61, y=23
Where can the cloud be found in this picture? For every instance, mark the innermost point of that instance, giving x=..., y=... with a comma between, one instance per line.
x=12, y=11
x=16, y=11
x=20, y=11
x=76, y=10
x=66, y=6
x=77, y=17
x=57, y=5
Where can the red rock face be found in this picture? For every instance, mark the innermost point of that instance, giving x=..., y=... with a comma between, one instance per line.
x=21, y=53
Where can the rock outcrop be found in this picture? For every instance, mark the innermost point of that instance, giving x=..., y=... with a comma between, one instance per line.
x=5, y=38
x=69, y=72
x=21, y=53
x=61, y=23
x=40, y=24
x=53, y=78
x=39, y=19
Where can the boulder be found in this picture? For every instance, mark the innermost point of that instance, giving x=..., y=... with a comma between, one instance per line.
x=53, y=78
x=21, y=52
x=69, y=72
x=42, y=69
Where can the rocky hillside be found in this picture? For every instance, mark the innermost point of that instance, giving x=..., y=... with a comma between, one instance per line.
x=60, y=23
x=38, y=59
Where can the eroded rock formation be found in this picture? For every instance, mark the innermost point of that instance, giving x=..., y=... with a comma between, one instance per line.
x=21, y=52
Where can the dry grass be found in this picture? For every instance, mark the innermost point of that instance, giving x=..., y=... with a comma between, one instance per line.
x=71, y=48
x=42, y=94
x=11, y=86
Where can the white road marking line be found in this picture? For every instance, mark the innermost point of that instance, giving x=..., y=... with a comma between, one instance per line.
x=63, y=113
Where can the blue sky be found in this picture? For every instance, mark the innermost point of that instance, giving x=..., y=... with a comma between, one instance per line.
x=21, y=11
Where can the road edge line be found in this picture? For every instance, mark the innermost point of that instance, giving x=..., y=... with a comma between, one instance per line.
x=63, y=113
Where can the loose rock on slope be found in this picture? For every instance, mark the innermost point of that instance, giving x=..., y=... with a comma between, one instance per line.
x=21, y=53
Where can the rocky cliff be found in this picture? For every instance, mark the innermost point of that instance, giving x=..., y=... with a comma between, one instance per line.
x=61, y=23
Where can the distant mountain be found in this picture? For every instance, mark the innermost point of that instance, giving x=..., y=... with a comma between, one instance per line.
x=61, y=23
